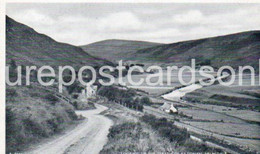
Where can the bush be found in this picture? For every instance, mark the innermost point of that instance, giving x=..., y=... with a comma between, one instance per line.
x=124, y=97
x=167, y=129
x=53, y=99
x=11, y=92
x=126, y=138
x=11, y=130
x=30, y=118
x=115, y=94
x=145, y=100
x=34, y=128
x=75, y=87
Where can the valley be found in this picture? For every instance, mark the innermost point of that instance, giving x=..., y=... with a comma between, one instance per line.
x=226, y=120
x=133, y=118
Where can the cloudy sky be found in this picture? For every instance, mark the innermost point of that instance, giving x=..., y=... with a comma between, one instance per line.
x=84, y=23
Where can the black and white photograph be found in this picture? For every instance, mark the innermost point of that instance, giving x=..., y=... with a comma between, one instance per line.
x=131, y=77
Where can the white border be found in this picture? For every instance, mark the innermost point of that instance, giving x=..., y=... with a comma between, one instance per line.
x=2, y=38
x=2, y=77
x=133, y=1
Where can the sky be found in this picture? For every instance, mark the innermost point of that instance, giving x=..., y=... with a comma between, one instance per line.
x=85, y=23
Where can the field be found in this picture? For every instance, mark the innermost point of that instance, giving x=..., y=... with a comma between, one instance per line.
x=230, y=129
x=205, y=115
x=242, y=114
x=225, y=110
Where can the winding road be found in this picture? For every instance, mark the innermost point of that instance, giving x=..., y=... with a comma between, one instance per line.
x=88, y=137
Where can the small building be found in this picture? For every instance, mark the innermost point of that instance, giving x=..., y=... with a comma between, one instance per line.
x=88, y=92
x=169, y=108
x=91, y=91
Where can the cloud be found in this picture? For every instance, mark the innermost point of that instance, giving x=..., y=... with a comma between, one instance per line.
x=34, y=17
x=120, y=22
x=165, y=23
x=234, y=18
x=190, y=17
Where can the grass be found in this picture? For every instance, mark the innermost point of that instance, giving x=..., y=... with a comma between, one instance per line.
x=79, y=105
x=179, y=137
x=135, y=132
x=242, y=97
x=255, y=93
x=128, y=137
x=241, y=130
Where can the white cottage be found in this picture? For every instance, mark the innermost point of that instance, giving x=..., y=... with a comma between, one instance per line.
x=91, y=91
x=88, y=92
x=169, y=108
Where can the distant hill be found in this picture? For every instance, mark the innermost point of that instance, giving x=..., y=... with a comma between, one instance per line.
x=234, y=50
x=28, y=47
x=115, y=50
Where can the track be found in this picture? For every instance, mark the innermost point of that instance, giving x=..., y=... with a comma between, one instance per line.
x=90, y=136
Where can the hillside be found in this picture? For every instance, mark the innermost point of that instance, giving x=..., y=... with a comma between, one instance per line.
x=34, y=113
x=27, y=47
x=235, y=49
x=115, y=50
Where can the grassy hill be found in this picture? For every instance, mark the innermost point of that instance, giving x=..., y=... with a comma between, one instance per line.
x=33, y=113
x=115, y=50
x=234, y=50
x=27, y=47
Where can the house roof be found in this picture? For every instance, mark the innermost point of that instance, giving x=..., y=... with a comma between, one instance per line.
x=166, y=106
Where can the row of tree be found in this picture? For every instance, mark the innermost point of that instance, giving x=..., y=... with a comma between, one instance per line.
x=125, y=97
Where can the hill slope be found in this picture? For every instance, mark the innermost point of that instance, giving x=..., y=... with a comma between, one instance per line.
x=34, y=113
x=235, y=49
x=27, y=47
x=115, y=50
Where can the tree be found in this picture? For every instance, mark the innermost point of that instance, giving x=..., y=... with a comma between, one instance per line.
x=145, y=100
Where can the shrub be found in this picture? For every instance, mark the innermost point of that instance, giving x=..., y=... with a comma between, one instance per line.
x=145, y=100
x=11, y=130
x=126, y=138
x=11, y=93
x=53, y=99
x=167, y=129
x=124, y=97
x=75, y=87
x=34, y=128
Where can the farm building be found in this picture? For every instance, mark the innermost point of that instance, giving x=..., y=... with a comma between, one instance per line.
x=169, y=108
x=88, y=92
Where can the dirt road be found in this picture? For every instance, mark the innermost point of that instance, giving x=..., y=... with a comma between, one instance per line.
x=88, y=137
